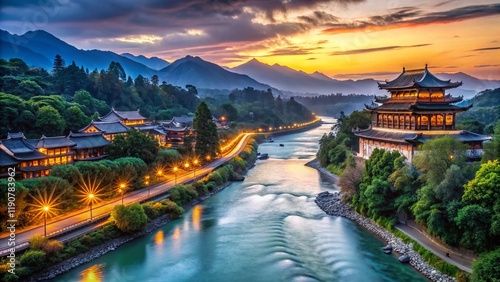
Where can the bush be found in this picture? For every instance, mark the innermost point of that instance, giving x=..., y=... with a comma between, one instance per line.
x=211, y=185
x=172, y=209
x=32, y=258
x=129, y=219
x=150, y=211
x=52, y=247
x=215, y=177
x=37, y=242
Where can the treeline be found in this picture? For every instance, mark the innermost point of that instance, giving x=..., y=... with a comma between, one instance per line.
x=333, y=104
x=481, y=118
x=259, y=107
x=456, y=201
x=92, y=92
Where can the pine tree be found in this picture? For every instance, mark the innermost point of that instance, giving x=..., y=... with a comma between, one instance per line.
x=59, y=64
x=207, y=140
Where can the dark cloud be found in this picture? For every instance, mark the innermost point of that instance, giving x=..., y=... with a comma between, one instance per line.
x=310, y=59
x=409, y=17
x=376, y=49
x=292, y=51
x=487, y=48
x=443, y=3
x=319, y=18
x=486, y=66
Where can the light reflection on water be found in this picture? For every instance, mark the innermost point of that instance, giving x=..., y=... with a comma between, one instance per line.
x=92, y=274
x=266, y=228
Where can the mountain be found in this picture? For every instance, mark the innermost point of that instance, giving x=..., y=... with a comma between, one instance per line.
x=470, y=85
x=287, y=79
x=38, y=48
x=152, y=63
x=203, y=74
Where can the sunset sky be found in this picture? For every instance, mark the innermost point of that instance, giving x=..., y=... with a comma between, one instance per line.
x=341, y=38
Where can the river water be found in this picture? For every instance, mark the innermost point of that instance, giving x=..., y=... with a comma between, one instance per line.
x=266, y=228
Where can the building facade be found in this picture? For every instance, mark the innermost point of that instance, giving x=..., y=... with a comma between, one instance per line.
x=418, y=109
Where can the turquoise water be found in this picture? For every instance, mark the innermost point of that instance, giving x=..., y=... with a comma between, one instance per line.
x=266, y=228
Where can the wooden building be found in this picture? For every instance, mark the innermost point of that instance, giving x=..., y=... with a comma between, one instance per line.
x=128, y=118
x=57, y=149
x=110, y=129
x=19, y=152
x=418, y=109
x=89, y=146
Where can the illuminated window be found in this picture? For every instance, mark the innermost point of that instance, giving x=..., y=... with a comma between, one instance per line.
x=424, y=120
x=449, y=119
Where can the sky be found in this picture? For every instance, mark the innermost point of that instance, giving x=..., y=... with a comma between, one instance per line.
x=341, y=38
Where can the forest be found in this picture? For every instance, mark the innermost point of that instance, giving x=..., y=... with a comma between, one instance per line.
x=456, y=201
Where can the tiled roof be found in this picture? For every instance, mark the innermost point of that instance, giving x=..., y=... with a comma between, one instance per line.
x=417, y=106
x=111, y=127
x=417, y=78
x=21, y=148
x=88, y=140
x=15, y=135
x=385, y=135
x=183, y=119
x=54, y=142
x=462, y=136
x=6, y=159
x=115, y=115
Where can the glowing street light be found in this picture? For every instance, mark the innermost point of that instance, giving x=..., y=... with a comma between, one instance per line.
x=91, y=199
x=195, y=163
x=122, y=190
x=45, y=211
x=175, y=172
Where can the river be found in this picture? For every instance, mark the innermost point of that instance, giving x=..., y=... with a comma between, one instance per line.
x=266, y=228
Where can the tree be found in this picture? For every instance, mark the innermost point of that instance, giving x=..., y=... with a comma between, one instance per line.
x=75, y=118
x=58, y=65
x=475, y=222
x=207, y=140
x=49, y=122
x=129, y=219
x=484, y=189
x=492, y=148
x=68, y=172
x=134, y=144
x=486, y=267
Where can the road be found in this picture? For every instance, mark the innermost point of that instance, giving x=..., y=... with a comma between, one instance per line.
x=438, y=249
x=81, y=218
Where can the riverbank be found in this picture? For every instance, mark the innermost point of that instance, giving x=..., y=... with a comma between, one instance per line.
x=331, y=204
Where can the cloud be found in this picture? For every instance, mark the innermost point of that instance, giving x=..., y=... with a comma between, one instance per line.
x=376, y=49
x=487, y=66
x=487, y=48
x=413, y=17
x=310, y=59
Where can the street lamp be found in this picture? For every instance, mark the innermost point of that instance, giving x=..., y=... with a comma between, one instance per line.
x=175, y=172
x=91, y=198
x=45, y=211
x=195, y=163
x=122, y=190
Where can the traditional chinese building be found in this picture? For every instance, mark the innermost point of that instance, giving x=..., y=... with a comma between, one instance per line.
x=128, y=118
x=57, y=149
x=418, y=109
x=110, y=129
x=18, y=152
x=89, y=146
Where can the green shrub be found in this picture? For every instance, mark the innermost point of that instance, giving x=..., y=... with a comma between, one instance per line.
x=150, y=211
x=32, y=258
x=211, y=185
x=129, y=219
x=172, y=209
x=37, y=242
x=215, y=177
x=52, y=247
x=487, y=267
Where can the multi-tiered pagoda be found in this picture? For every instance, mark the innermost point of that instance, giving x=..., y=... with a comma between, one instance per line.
x=418, y=109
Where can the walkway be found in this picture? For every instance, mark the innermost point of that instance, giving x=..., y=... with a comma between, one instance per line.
x=81, y=217
x=438, y=249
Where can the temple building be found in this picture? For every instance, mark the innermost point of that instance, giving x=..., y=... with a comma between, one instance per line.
x=19, y=153
x=110, y=129
x=417, y=110
x=58, y=149
x=128, y=118
x=89, y=146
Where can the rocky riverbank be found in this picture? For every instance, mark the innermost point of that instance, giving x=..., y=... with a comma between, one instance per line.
x=325, y=172
x=331, y=203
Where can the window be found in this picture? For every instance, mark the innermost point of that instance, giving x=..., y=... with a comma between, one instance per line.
x=58, y=151
x=449, y=119
x=424, y=120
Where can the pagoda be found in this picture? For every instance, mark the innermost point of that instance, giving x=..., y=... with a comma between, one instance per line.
x=418, y=109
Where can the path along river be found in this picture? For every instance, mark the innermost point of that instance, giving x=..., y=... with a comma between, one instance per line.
x=266, y=228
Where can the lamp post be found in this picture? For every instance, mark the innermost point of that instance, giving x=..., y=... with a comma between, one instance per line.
x=122, y=190
x=91, y=198
x=45, y=211
x=175, y=172
x=195, y=163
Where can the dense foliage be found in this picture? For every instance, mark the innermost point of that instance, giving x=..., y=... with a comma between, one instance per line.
x=130, y=218
x=37, y=102
x=135, y=144
x=481, y=118
x=334, y=104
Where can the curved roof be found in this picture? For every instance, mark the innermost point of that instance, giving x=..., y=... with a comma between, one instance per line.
x=418, y=78
x=115, y=115
x=111, y=127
